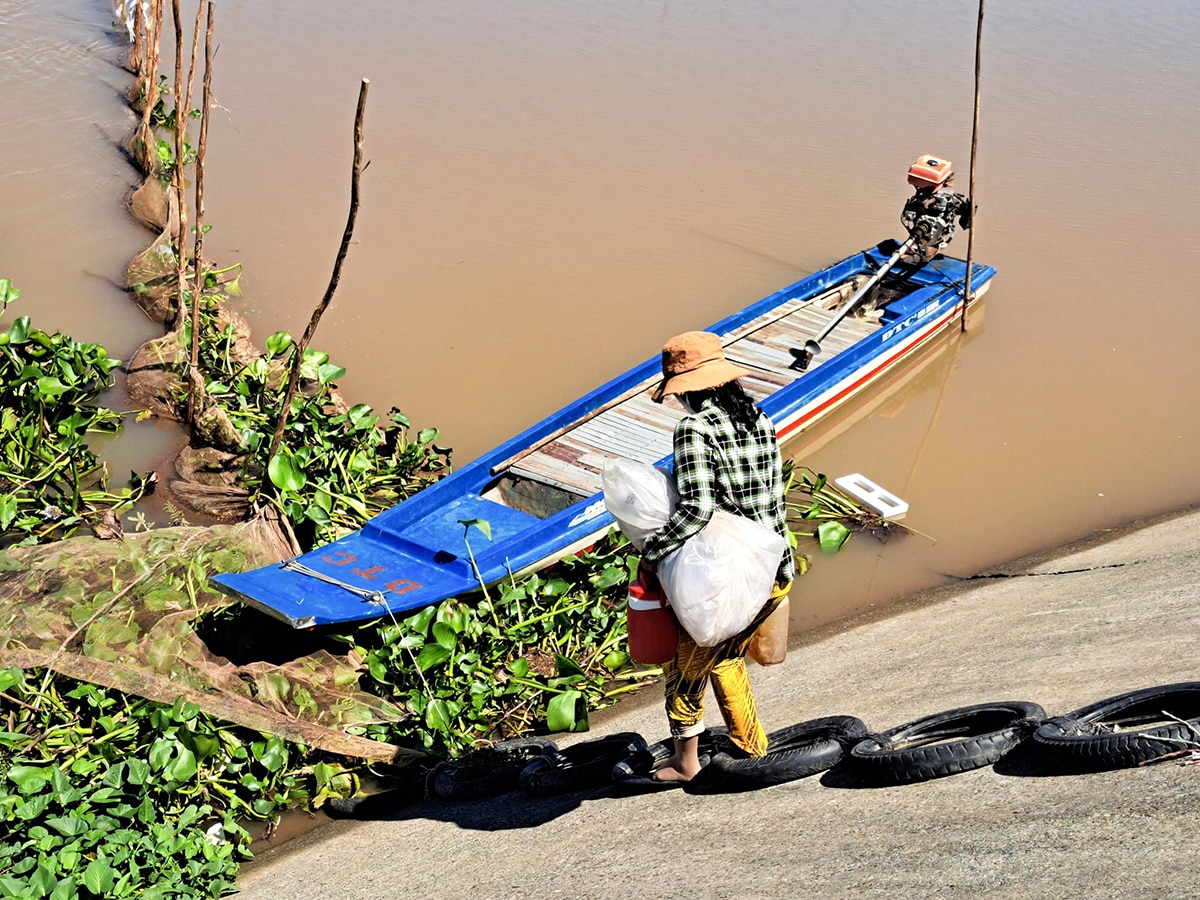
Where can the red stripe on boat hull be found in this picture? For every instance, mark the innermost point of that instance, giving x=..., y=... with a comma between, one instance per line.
x=937, y=326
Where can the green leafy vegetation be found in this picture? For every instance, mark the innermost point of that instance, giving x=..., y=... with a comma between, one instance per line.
x=539, y=655
x=104, y=795
x=337, y=465
x=832, y=515
x=50, y=480
x=162, y=117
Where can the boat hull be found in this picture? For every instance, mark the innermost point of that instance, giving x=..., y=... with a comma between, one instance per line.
x=430, y=547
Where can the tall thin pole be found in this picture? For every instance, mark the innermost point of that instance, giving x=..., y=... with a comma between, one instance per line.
x=298, y=359
x=147, y=157
x=971, y=180
x=196, y=380
x=191, y=78
x=177, y=182
x=137, y=57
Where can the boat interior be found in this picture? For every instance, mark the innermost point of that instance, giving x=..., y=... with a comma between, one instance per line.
x=567, y=466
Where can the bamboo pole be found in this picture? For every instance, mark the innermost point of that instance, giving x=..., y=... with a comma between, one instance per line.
x=177, y=172
x=298, y=359
x=153, y=37
x=971, y=178
x=195, y=379
x=137, y=57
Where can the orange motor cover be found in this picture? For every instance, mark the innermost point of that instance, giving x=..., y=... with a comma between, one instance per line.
x=929, y=171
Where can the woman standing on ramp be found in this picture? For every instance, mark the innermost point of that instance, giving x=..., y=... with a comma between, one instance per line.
x=726, y=457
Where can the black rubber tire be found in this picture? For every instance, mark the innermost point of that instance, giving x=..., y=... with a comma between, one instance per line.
x=580, y=767
x=983, y=734
x=632, y=774
x=792, y=753
x=490, y=771
x=1084, y=740
x=377, y=806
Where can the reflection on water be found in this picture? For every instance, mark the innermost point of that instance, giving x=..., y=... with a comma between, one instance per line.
x=554, y=190
x=905, y=413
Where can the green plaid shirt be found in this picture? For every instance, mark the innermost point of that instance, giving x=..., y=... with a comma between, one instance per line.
x=719, y=467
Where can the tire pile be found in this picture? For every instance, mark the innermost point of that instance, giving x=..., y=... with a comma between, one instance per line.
x=1126, y=730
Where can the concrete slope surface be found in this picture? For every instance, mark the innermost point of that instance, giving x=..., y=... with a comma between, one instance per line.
x=1112, y=614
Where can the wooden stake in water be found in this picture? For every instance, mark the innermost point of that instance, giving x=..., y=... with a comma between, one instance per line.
x=191, y=78
x=195, y=379
x=971, y=179
x=294, y=377
x=137, y=56
x=177, y=184
x=147, y=157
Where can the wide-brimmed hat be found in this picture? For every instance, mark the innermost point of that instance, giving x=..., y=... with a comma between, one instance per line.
x=694, y=361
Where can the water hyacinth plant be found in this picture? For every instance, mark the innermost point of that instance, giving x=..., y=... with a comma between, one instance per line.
x=50, y=480
x=827, y=514
x=337, y=465
x=106, y=795
x=536, y=654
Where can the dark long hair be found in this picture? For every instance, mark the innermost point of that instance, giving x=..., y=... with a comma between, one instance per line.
x=733, y=399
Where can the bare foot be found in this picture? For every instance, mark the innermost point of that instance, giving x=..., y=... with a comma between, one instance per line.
x=674, y=771
x=669, y=774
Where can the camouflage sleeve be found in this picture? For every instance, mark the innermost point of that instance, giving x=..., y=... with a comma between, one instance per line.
x=965, y=211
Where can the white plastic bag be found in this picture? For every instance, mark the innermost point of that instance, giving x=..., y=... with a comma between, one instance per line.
x=640, y=497
x=717, y=581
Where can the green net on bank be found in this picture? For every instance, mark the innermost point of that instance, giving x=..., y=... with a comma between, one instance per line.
x=131, y=614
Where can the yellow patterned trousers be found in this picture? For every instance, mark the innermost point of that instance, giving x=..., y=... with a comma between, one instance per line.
x=689, y=673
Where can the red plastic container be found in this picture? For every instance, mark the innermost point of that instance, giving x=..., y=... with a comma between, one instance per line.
x=653, y=630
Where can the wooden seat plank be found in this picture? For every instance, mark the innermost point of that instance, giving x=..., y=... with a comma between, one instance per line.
x=631, y=435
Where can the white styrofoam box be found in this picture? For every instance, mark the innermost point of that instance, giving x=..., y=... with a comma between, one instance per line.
x=872, y=496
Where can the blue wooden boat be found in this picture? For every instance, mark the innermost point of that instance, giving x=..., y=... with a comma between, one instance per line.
x=540, y=492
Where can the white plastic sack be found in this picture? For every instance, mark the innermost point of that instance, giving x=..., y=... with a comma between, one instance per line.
x=639, y=496
x=717, y=581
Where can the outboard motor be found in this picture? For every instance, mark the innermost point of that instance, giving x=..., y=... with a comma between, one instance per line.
x=930, y=213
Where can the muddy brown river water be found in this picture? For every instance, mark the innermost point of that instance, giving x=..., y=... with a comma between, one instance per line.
x=555, y=188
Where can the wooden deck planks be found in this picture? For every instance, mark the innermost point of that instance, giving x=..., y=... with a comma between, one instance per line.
x=768, y=350
x=637, y=428
x=583, y=482
x=786, y=308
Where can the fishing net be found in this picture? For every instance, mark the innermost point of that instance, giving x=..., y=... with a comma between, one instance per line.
x=130, y=614
x=153, y=281
x=152, y=381
x=154, y=206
